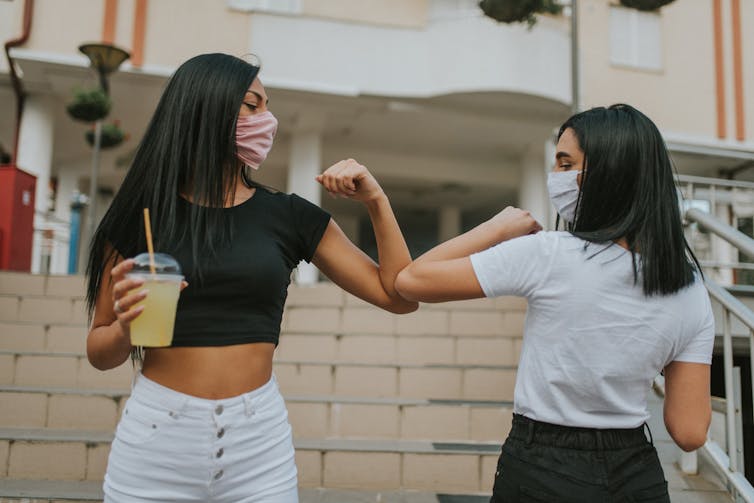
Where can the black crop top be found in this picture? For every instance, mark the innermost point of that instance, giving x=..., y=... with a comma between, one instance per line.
x=243, y=290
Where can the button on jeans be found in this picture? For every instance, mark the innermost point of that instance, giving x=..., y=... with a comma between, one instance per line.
x=170, y=446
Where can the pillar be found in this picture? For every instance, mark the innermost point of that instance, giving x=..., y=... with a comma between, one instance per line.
x=304, y=165
x=532, y=194
x=35, y=156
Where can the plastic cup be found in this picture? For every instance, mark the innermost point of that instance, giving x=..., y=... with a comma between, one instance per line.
x=154, y=326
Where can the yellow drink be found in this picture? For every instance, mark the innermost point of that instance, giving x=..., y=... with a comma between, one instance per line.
x=154, y=326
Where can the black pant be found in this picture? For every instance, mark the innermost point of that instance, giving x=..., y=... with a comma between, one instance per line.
x=547, y=463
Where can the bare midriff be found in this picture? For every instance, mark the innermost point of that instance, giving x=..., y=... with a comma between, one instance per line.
x=213, y=372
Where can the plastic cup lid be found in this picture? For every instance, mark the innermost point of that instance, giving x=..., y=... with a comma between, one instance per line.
x=163, y=264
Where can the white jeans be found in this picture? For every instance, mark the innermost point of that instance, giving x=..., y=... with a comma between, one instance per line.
x=170, y=446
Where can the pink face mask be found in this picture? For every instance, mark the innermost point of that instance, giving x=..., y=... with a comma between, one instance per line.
x=254, y=134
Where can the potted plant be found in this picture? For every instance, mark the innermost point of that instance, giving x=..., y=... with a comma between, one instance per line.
x=645, y=5
x=518, y=11
x=89, y=105
x=112, y=136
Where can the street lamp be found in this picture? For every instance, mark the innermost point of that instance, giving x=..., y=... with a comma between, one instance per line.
x=105, y=59
x=575, y=91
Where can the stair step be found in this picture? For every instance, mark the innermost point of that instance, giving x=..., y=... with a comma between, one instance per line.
x=453, y=467
x=483, y=317
x=311, y=417
x=47, y=490
x=72, y=492
x=448, y=420
x=451, y=381
x=26, y=337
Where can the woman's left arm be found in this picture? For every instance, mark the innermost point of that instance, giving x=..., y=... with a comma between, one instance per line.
x=344, y=263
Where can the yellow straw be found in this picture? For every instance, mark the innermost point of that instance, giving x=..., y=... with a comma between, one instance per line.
x=148, y=228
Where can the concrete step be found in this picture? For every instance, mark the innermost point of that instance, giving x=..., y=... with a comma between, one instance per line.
x=452, y=467
x=311, y=417
x=324, y=294
x=435, y=420
x=50, y=491
x=452, y=381
x=64, y=370
x=382, y=348
x=402, y=349
x=46, y=491
x=456, y=468
x=42, y=301
x=456, y=382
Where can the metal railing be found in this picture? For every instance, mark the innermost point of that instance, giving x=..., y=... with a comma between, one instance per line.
x=730, y=200
x=729, y=461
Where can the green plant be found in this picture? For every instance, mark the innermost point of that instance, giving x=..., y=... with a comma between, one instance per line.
x=89, y=105
x=112, y=136
x=645, y=5
x=518, y=11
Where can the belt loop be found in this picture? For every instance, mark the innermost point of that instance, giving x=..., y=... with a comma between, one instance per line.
x=651, y=439
x=530, y=433
x=600, y=444
x=247, y=405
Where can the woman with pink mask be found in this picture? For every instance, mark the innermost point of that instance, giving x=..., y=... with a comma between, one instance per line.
x=205, y=420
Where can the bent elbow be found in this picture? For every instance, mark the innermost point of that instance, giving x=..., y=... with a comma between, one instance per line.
x=689, y=438
x=690, y=443
x=95, y=362
x=404, y=287
x=403, y=307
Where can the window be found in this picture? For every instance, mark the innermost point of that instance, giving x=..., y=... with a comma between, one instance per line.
x=635, y=38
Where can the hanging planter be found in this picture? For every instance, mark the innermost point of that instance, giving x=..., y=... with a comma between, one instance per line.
x=89, y=105
x=518, y=11
x=645, y=5
x=112, y=136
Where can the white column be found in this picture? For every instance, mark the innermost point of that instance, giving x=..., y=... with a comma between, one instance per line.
x=305, y=164
x=35, y=156
x=532, y=193
x=450, y=223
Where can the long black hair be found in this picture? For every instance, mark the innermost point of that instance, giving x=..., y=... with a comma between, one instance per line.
x=628, y=191
x=189, y=148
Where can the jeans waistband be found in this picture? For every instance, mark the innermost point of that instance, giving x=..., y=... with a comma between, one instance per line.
x=531, y=431
x=148, y=391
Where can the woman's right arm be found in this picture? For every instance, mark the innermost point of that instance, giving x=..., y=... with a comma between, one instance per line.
x=445, y=272
x=108, y=344
x=687, y=410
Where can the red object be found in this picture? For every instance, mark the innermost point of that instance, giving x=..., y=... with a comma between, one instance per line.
x=16, y=218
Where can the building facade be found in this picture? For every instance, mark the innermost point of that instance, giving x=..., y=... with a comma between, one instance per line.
x=453, y=112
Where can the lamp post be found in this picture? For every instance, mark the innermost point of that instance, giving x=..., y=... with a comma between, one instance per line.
x=574, y=57
x=105, y=59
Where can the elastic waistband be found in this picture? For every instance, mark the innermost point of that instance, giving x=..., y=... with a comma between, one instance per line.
x=537, y=432
x=148, y=391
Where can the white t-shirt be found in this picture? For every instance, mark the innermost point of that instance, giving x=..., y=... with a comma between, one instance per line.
x=593, y=342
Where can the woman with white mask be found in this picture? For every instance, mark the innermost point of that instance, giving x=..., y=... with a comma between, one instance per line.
x=205, y=420
x=612, y=302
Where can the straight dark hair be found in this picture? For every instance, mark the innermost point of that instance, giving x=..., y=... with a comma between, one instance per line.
x=628, y=191
x=189, y=148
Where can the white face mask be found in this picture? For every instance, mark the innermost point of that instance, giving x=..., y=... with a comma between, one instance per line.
x=564, y=192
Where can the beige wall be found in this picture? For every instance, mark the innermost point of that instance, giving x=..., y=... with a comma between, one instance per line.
x=11, y=14
x=176, y=33
x=679, y=98
x=405, y=13
x=60, y=27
